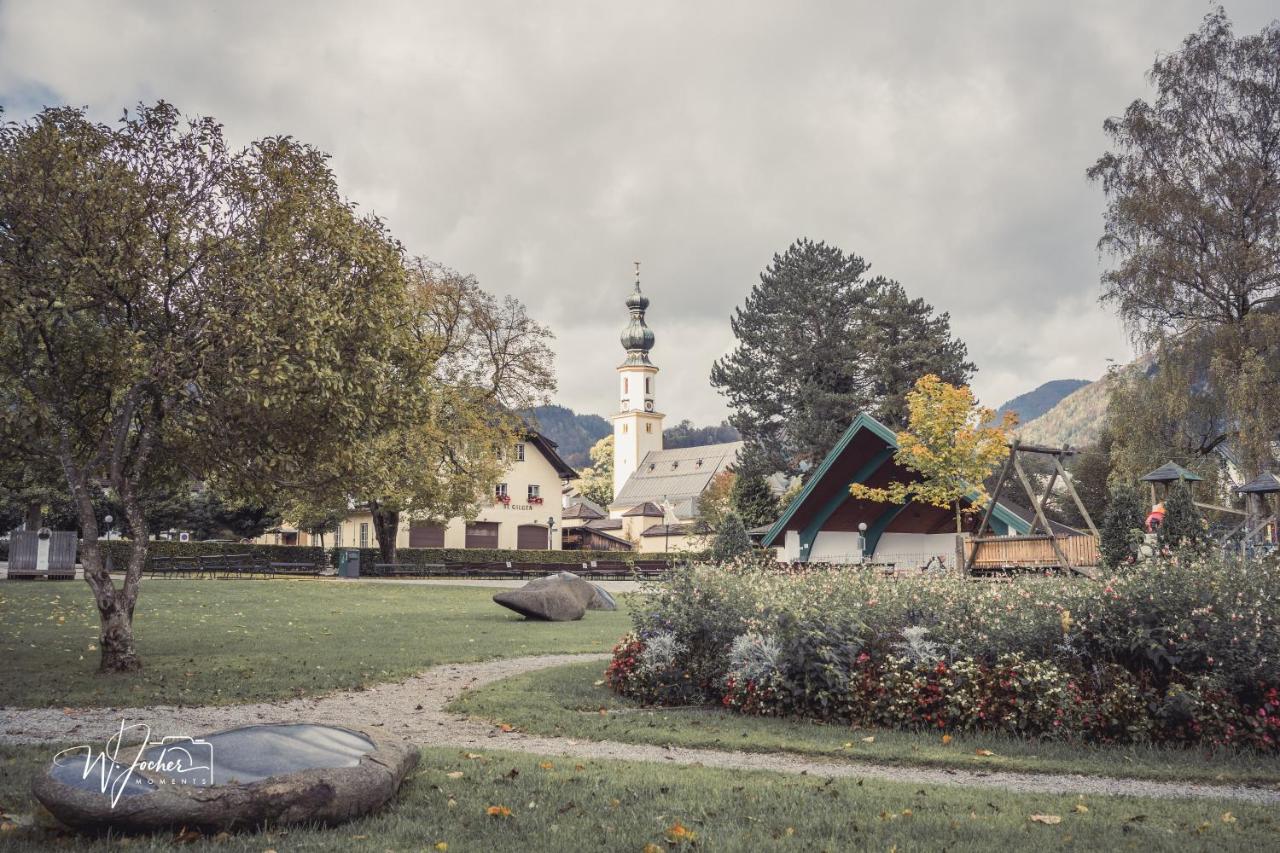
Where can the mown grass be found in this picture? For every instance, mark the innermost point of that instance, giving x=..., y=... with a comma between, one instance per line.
x=567, y=701
x=223, y=642
x=559, y=804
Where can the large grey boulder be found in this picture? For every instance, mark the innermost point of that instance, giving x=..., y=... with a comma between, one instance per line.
x=562, y=597
x=240, y=778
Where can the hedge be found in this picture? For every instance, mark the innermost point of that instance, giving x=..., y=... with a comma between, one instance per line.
x=480, y=556
x=119, y=551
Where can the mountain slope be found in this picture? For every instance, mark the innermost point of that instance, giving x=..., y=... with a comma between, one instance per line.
x=1076, y=419
x=1033, y=404
x=574, y=433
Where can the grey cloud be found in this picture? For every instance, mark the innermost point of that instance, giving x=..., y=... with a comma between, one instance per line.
x=543, y=147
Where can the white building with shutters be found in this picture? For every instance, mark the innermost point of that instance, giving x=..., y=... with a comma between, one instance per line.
x=524, y=511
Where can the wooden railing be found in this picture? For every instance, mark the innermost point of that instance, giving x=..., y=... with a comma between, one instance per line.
x=1030, y=551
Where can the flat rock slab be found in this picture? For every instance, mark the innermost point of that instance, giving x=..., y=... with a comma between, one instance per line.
x=562, y=597
x=239, y=778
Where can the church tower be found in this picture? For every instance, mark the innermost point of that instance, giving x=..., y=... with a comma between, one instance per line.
x=637, y=426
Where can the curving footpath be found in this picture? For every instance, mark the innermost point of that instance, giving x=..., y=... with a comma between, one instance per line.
x=414, y=709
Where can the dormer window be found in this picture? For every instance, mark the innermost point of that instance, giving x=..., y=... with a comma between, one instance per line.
x=652, y=466
x=699, y=463
x=675, y=465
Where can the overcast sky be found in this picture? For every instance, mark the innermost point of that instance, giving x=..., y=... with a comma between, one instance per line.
x=545, y=146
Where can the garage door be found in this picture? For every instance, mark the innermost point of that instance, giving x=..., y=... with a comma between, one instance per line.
x=482, y=534
x=426, y=534
x=531, y=537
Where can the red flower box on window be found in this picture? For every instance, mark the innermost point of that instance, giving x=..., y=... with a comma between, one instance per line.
x=502, y=499
x=535, y=500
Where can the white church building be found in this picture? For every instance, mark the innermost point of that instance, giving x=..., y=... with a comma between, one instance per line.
x=656, y=490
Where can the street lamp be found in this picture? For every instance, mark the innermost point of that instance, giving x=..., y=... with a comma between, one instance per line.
x=862, y=539
x=551, y=526
x=107, y=521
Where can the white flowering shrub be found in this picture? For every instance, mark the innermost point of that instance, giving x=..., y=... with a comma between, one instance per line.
x=661, y=650
x=917, y=647
x=753, y=657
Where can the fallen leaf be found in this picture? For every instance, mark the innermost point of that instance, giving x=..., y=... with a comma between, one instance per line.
x=506, y=727
x=547, y=765
x=946, y=739
x=599, y=683
x=869, y=739
x=651, y=848
x=983, y=752
x=456, y=774
x=1228, y=817
x=604, y=712
x=678, y=833
x=453, y=804
x=513, y=773
x=1081, y=808
x=187, y=836
x=1049, y=819
x=442, y=846
x=472, y=755
x=498, y=811
x=847, y=745
x=579, y=767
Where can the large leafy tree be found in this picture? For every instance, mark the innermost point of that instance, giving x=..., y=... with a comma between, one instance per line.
x=817, y=342
x=1192, y=223
x=174, y=307
x=952, y=443
x=482, y=361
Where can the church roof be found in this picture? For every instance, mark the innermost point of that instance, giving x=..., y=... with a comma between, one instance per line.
x=647, y=508
x=675, y=476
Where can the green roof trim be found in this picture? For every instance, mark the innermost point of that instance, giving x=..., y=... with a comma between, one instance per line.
x=867, y=422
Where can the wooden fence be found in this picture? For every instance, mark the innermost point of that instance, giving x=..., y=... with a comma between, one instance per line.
x=1000, y=552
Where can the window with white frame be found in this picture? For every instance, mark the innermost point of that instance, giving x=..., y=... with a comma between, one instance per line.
x=364, y=534
x=500, y=491
x=535, y=493
x=520, y=452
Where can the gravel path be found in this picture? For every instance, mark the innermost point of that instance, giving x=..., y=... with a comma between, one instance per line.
x=414, y=709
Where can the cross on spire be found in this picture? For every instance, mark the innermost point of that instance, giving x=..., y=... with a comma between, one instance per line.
x=637, y=263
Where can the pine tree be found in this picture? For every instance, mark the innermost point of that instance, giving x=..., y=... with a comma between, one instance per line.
x=1122, y=525
x=751, y=498
x=818, y=343
x=1182, y=523
x=732, y=541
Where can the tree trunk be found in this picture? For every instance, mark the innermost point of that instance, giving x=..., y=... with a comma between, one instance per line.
x=386, y=525
x=118, y=652
x=959, y=523
x=31, y=519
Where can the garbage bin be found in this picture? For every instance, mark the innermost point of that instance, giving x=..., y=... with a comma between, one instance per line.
x=349, y=563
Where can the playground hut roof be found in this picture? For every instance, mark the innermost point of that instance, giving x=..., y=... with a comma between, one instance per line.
x=864, y=454
x=1267, y=484
x=1170, y=472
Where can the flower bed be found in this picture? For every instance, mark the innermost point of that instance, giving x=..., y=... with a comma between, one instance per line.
x=1184, y=650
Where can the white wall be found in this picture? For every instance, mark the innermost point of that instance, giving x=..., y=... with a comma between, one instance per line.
x=836, y=546
x=916, y=545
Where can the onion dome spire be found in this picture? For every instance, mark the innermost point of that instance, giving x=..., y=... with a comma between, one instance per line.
x=637, y=338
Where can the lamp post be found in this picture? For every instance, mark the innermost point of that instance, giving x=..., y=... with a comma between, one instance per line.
x=107, y=521
x=862, y=539
x=551, y=526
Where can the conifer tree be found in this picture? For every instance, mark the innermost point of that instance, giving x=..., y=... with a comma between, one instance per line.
x=1122, y=525
x=1182, y=523
x=751, y=497
x=732, y=541
x=817, y=343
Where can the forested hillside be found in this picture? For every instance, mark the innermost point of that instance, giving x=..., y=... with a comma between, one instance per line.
x=1033, y=404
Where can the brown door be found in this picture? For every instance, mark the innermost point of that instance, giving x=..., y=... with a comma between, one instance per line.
x=426, y=534
x=531, y=537
x=482, y=534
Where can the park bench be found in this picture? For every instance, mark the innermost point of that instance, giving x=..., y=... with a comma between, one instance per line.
x=169, y=567
x=295, y=569
x=404, y=570
x=45, y=553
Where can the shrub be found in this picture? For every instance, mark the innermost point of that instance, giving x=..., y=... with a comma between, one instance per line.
x=1184, y=648
x=1182, y=523
x=731, y=541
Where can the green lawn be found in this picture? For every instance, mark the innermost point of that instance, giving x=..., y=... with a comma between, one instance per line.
x=557, y=804
x=222, y=642
x=567, y=700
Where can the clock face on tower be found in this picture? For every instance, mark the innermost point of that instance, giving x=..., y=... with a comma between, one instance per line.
x=648, y=405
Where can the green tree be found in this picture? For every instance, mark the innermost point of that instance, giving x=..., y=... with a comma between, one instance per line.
x=751, y=498
x=1182, y=525
x=1193, y=224
x=716, y=500
x=732, y=540
x=818, y=342
x=480, y=361
x=172, y=305
x=1122, y=526
x=596, y=483
x=952, y=443
x=1090, y=471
